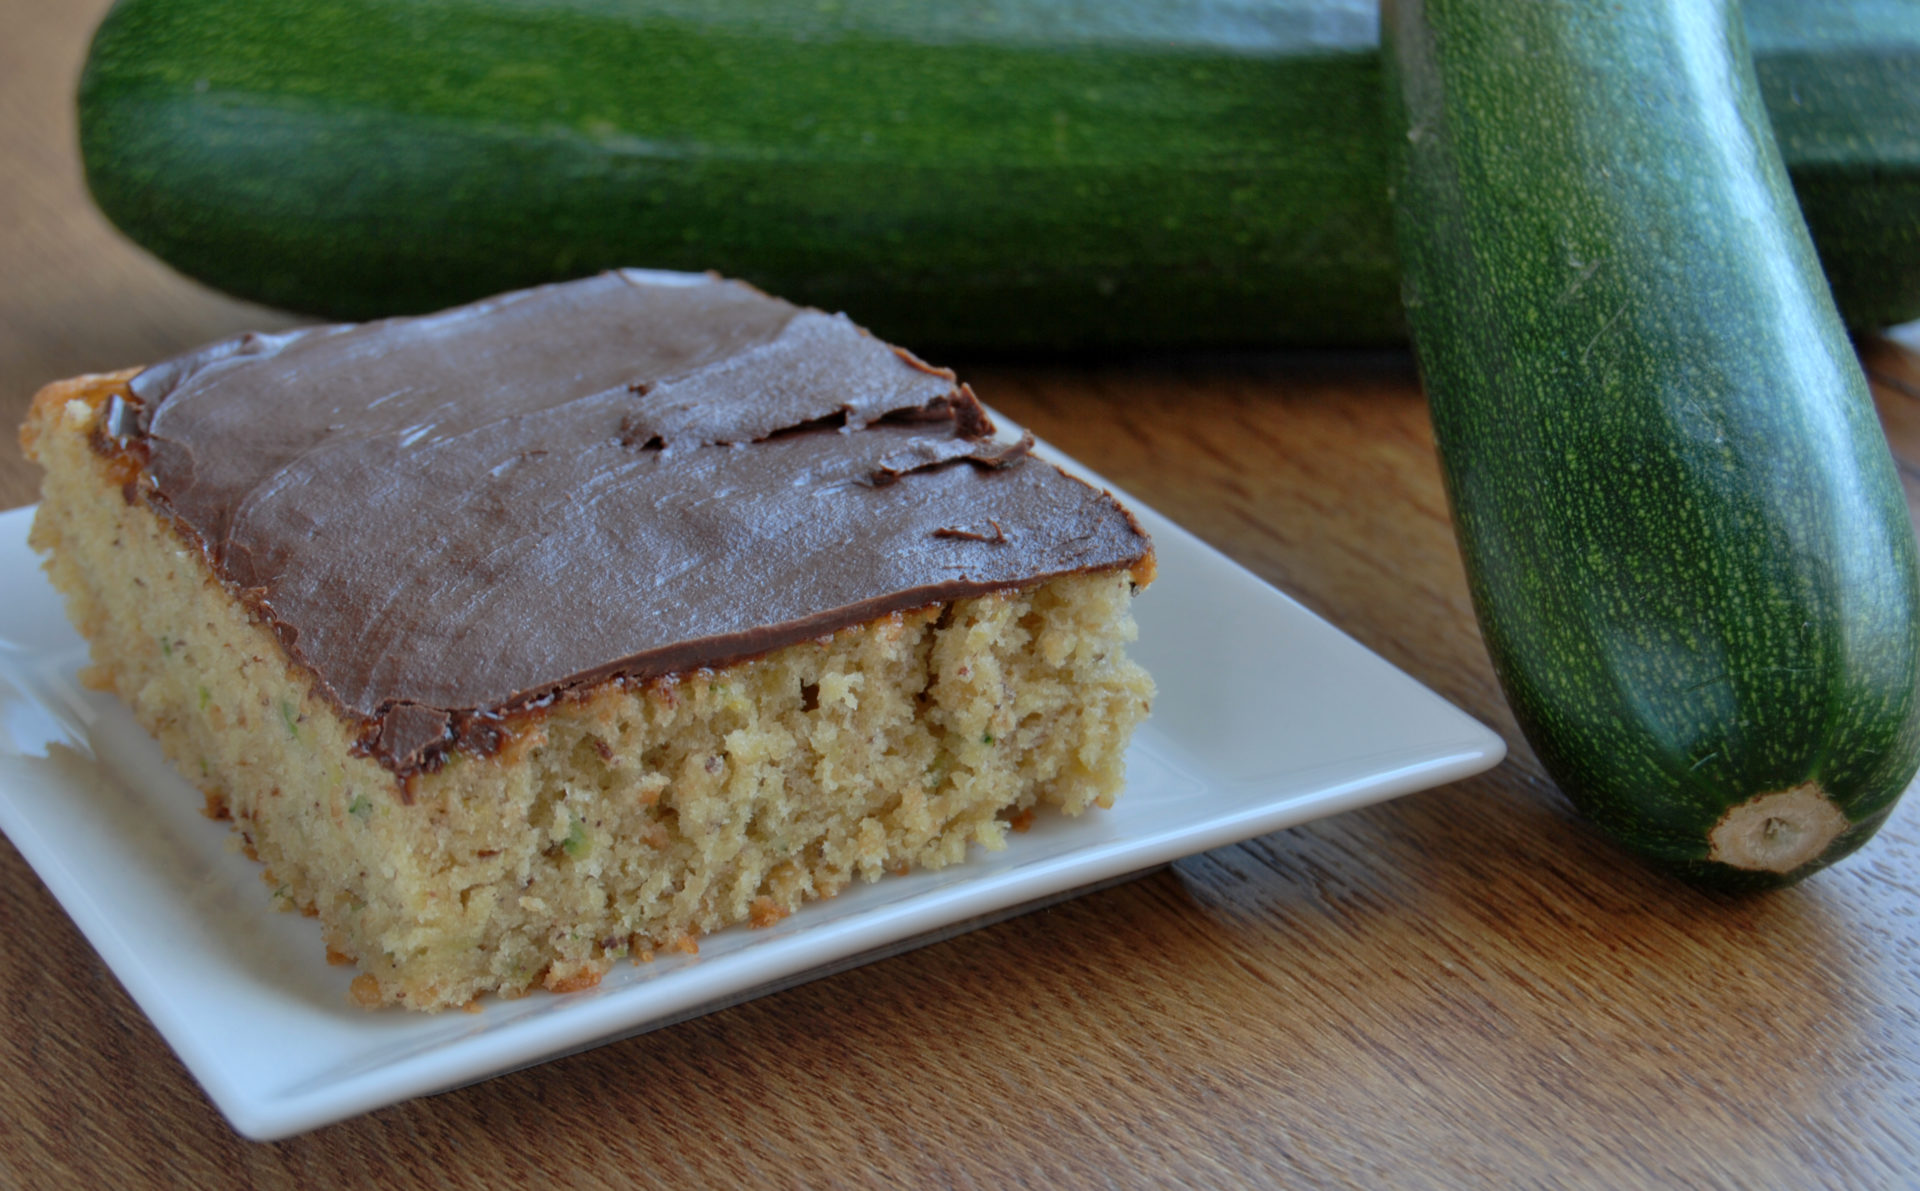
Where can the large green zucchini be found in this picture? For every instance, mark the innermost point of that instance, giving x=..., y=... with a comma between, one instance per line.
x=1686, y=541
x=1010, y=173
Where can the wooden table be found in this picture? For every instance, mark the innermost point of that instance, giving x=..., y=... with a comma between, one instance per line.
x=1461, y=988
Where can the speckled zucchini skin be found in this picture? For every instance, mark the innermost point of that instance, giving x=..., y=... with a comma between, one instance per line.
x=1687, y=545
x=1001, y=174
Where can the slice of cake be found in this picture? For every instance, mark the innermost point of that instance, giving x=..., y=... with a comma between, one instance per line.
x=570, y=625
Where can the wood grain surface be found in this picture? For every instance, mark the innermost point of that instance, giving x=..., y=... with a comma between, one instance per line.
x=1465, y=987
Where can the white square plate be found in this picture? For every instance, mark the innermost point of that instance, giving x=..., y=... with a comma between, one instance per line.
x=1266, y=717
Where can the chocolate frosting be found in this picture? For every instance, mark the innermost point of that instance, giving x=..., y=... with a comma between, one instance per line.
x=453, y=518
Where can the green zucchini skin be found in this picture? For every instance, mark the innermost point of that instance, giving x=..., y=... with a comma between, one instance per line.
x=1023, y=174
x=1841, y=81
x=1061, y=174
x=1687, y=546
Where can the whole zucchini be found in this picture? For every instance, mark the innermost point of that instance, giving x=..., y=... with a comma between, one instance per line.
x=1014, y=173
x=1686, y=542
